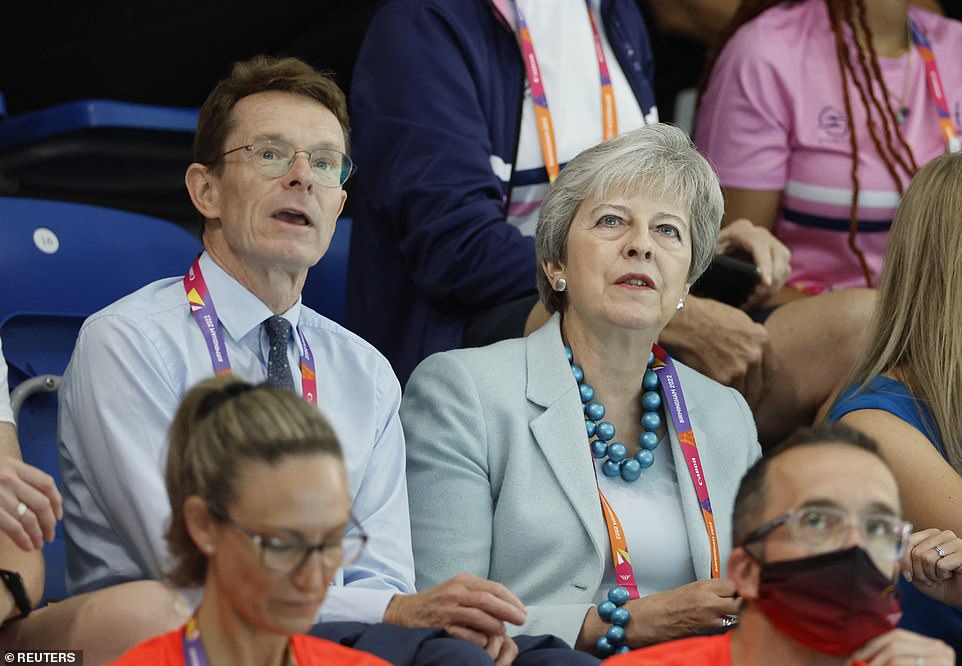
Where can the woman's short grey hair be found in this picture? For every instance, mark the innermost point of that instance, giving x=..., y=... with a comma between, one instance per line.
x=659, y=160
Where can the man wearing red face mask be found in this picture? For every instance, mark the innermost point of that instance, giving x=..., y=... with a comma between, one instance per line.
x=819, y=547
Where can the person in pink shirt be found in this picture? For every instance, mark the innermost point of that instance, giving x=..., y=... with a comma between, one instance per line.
x=821, y=163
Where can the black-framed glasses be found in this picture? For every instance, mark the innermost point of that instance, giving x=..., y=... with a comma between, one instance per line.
x=288, y=556
x=274, y=158
x=823, y=529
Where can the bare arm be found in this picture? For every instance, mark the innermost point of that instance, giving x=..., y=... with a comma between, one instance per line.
x=23, y=555
x=104, y=624
x=932, y=489
x=758, y=206
x=723, y=343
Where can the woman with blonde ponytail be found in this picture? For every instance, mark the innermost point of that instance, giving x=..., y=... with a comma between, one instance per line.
x=260, y=519
x=906, y=388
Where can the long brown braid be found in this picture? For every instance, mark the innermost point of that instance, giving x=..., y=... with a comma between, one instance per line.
x=868, y=82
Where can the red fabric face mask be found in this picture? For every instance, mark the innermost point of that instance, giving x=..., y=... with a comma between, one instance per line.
x=833, y=603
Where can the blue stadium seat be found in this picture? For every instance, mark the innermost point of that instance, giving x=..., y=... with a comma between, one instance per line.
x=59, y=263
x=326, y=286
x=101, y=152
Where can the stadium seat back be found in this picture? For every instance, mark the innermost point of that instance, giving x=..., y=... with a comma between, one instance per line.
x=59, y=263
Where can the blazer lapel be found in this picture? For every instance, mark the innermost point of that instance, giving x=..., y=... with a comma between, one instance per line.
x=560, y=430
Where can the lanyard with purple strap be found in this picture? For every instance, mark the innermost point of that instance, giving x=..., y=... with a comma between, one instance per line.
x=205, y=314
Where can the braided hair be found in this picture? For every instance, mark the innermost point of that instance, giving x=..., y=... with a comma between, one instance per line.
x=865, y=76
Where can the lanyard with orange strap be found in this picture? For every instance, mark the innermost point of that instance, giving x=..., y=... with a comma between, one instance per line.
x=542, y=113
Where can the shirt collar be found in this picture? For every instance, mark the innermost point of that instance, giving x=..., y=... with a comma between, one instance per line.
x=238, y=310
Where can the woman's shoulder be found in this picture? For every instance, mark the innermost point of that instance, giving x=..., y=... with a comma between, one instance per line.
x=881, y=393
x=164, y=649
x=792, y=18
x=872, y=394
x=937, y=28
x=492, y=362
x=785, y=25
x=311, y=651
x=476, y=356
x=504, y=362
x=785, y=22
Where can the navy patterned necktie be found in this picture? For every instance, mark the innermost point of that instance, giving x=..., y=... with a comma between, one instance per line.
x=278, y=368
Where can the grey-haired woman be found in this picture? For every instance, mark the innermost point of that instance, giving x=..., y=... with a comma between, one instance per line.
x=580, y=466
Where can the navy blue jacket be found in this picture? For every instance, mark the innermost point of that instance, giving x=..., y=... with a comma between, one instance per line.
x=435, y=102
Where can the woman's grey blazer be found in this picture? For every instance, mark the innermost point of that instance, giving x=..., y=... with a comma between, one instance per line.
x=500, y=476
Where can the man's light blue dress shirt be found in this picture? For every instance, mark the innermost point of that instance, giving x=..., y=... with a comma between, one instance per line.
x=133, y=362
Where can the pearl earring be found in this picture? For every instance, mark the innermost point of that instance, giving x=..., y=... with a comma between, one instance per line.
x=681, y=304
x=560, y=284
x=209, y=547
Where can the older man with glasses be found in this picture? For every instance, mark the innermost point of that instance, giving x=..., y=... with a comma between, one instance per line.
x=820, y=546
x=270, y=160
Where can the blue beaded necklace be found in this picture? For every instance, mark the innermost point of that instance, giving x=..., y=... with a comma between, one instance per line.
x=617, y=462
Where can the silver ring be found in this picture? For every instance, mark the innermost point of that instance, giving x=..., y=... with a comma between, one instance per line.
x=920, y=661
x=21, y=509
x=938, y=549
x=729, y=620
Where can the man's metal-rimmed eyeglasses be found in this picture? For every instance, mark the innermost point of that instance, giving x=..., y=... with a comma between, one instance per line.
x=274, y=158
x=823, y=529
x=290, y=555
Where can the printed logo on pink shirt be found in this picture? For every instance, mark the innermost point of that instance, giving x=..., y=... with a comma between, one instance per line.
x=833, y=122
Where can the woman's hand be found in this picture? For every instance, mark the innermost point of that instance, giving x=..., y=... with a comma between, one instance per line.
x=30, y=504
x=771, y=257
x=934, y=574
x=502, y=650
x=689, y=610
x=899, y=647
x=723, y=343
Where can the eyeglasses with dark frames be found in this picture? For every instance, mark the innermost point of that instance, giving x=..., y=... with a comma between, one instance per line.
x=290, y=555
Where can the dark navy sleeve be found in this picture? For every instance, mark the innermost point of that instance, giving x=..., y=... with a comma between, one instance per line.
x=429, y=114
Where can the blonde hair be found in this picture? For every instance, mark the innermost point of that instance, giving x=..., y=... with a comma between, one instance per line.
x=221, y=424
x=917, y=327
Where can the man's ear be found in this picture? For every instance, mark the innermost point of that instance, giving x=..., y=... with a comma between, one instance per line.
x=204, y=190
x=743, y=570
